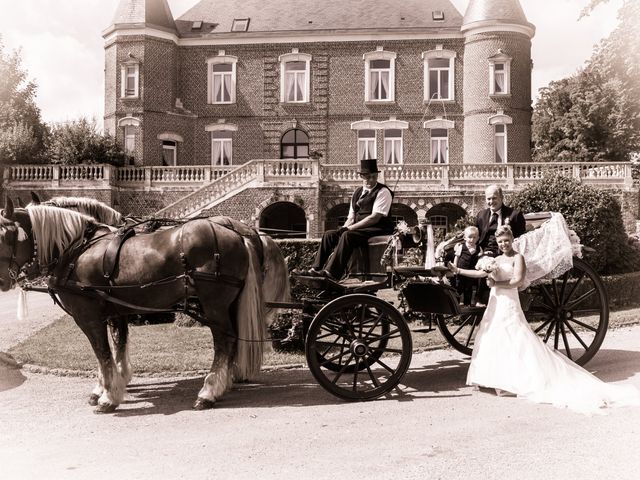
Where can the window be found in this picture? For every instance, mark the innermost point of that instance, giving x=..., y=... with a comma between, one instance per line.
x=169, y=153
x=221, y=148
x=500, y=142
x=379, y=76
x=439, y=145
x=366, y=144
x=295, y=78
x=294, y=144
x=499, y=74
x=440, y=225
x=240, y=25
x=437, y=15
x=222, y=79
x=129, y=139
x=393, y=146
x=130, y=80
x=439, y=74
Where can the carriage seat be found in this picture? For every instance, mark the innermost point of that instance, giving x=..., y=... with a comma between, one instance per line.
x=367, y=259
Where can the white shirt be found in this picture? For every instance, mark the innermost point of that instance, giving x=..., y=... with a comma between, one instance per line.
x=382, y=203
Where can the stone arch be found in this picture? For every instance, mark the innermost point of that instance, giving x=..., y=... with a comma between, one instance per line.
x=443, y=215
x=335, y=214
x=279, y=219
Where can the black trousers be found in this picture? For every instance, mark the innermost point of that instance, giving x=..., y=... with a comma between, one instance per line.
x=342, y=246
x=465, y=285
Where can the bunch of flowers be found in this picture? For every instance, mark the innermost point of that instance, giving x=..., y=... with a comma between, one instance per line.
x=487, y=264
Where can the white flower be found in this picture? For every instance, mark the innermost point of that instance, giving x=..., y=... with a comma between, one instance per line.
x=487, y=264
x=403, y=228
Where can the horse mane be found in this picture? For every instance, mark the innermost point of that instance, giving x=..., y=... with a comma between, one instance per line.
x=89, y=206
x=56, y=228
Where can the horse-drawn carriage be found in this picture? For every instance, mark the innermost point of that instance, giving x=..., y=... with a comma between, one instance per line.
x=358, y=346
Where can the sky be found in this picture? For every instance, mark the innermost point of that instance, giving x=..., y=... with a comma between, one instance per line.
x=62, y=47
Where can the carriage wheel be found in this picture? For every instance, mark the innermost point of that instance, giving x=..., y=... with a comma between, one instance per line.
x=358, y=347
x=460, y=329
x=571, y=311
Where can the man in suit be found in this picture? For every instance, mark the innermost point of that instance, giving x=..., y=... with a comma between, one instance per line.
x=495, y=215
x=488, y=220
x=368, y=217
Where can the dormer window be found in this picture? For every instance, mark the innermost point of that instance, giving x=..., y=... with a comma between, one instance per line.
x=380, y=76
x=295, y=77
x=437, y=15
x=197, y=25
x=221, y=79
x=130, y=80
x=240, y=25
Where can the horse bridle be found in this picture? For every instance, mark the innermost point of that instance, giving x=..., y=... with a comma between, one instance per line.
x=14, y=269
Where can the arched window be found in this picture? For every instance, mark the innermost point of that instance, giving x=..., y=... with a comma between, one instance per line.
x=294, y=144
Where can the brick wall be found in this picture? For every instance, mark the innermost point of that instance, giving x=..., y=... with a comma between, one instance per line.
x=479, y=105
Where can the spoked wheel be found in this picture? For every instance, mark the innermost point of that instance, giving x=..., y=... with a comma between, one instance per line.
x=460, y=329
x=358, y=347
x=571, y=311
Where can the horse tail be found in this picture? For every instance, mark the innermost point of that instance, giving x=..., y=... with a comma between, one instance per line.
x=250, y=324
x=275, y=281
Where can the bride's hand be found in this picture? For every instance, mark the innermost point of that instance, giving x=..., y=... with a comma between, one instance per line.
x=490, y=282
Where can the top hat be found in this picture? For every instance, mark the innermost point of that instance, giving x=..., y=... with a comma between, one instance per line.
x=369, y=165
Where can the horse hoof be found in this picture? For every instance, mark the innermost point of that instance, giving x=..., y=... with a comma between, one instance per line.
x=93, y=399
x=105, y=408
x=203, y=404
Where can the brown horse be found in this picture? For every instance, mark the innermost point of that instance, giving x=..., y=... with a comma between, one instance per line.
x=205, y=264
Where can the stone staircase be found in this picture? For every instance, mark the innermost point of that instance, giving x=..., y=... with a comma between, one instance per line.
x=253, y=174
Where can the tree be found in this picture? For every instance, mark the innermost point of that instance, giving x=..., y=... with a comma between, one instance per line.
x=80, y=141
x=19, y=115
x=595, y=114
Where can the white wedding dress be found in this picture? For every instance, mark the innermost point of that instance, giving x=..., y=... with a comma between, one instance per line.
x=508, y=355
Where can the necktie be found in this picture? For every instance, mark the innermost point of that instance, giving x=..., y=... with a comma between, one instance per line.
x=494, y=219
x=365, y=192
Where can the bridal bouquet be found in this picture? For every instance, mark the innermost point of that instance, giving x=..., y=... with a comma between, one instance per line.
x=487, y=264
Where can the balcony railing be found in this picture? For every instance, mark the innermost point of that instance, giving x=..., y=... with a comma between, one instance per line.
x=307, y=171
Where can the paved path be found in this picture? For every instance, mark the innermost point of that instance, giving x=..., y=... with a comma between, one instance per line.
x=42, y=311
x=285, y=426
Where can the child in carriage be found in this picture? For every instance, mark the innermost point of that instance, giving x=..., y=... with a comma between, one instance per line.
x=466, y=257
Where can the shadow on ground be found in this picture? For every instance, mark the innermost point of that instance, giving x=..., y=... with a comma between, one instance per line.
x=297, y=388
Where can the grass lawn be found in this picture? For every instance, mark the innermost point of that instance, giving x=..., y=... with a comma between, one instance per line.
x=166, y=348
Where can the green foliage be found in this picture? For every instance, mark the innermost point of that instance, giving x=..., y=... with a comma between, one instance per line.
x=21, y=129
x=595, y=114
x=299, y=254
x=18, y=144
x=593, y=214
x=80, y=141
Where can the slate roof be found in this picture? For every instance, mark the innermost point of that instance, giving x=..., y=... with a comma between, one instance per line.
x=285, y=16
x=154, y=13
x=498, y=11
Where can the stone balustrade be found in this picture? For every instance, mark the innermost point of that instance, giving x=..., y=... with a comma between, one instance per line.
x=426, y=176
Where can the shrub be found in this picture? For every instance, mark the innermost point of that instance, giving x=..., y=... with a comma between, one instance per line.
x=299, y=254
x=595, y=216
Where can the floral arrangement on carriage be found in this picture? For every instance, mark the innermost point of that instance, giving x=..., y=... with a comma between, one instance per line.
x=410, y=246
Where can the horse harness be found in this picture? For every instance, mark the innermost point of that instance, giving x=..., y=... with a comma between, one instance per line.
x=110, y=261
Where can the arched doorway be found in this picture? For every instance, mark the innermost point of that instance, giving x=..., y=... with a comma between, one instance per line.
x=443, y=217
x=294, y=144
x=400, y=212
x=284, y=220
x=336, y=216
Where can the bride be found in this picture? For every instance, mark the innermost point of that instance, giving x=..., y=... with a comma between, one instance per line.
x=510, y=357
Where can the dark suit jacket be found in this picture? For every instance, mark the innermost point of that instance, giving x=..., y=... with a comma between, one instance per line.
x=515, y=220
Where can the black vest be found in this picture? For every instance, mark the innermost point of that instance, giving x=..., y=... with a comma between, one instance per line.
x=363, y=207
x=468, y=260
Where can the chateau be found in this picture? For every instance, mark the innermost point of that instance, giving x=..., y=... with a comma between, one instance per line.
x=262, y=109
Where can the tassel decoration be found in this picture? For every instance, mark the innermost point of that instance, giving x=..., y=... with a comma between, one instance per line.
x=23, y=310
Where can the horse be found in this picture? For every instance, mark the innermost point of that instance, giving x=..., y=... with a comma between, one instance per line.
x=205, y=266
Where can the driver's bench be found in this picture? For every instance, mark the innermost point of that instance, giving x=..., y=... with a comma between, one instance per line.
x=367, y=259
